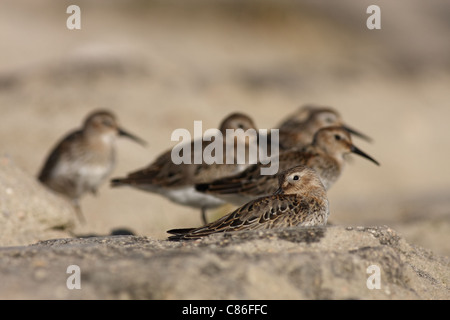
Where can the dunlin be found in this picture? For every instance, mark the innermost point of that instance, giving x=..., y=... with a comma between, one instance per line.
x=84, y=158
x=300, y=200
x=176, y=182
x=299, y=116
x=299, y=128
x=326, y=155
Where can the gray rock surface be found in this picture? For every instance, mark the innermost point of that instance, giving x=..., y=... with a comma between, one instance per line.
x=328, y=263
x=28, y=211
x=317, y=263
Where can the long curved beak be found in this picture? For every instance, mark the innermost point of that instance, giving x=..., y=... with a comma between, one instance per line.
x=357, y=133
x=363, y=154
x=124, y=133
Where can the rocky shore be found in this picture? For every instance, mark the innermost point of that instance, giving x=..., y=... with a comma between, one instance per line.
x=336, y=262
x=331, y=263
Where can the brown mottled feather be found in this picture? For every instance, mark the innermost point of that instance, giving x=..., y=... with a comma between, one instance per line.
x=82, y=160
x=325, y=155
x=305, y=205
x=163, y=173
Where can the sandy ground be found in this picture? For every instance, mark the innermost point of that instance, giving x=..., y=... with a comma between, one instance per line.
x=160, y=66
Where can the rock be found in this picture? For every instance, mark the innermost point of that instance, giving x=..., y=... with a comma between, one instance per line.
x=28, y=211
x=317, y=263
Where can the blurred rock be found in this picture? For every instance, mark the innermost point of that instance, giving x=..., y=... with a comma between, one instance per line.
x=317, y=263
x=28, y=211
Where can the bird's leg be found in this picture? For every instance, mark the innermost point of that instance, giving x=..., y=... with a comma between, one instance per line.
x=79, y=212
x=203, y=214
x=94, y=191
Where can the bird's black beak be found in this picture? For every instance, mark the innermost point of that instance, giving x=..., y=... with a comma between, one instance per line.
x=363, y=154
x=124, y=133
x=357, y=133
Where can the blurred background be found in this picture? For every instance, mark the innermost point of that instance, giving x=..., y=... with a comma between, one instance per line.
x=160, y=65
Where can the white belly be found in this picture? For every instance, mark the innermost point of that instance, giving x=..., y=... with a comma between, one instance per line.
x=190, y=197
x=93, y=176
x=186, y=196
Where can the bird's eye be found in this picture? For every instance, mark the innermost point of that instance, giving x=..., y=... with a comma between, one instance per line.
x=296, y=177
x=337, y=137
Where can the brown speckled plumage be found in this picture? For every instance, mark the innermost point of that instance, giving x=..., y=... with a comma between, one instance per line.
x=84, y=158
x=301, y=200
x=176, y=182
x=298, y=129
x=325, y=155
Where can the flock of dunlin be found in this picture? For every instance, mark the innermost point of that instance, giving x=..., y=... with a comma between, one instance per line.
x=313, y=143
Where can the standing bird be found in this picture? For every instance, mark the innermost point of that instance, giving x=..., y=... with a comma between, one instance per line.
x=300, y=201
x=84, y=158
x=326, y=155
x=176, y=181
x=299, y=128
